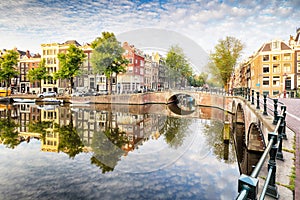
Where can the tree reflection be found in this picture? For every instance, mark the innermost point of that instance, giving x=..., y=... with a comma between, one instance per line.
x=214, y=138
x=8, y=133
x=69, y=140
x=175, y=130
x=40, y=127
x=8, y=130
x=107, y=148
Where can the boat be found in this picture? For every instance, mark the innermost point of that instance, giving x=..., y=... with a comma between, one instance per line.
x=52, y=101
x=18, y=100
x=47, y=107
x=6, y=100
x=73, y=101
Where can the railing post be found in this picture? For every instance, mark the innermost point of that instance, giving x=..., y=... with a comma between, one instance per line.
x=265, y=105
x=257, y=100
x=252, y=103
x=249, y=95
x=246, y=93
x=279, y=154
x=275, y=112
x=272, y=188
x=283, y=108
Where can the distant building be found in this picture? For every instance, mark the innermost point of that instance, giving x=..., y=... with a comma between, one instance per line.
x=294, y=42
x=133, y=79
x=270, y=70
x=26, y=63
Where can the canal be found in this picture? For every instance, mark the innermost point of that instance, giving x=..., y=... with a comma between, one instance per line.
x=101, y=151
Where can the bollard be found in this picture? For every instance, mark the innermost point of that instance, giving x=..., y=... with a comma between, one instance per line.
x=265, y=105
x=226, y=131
x=272, y=188
x=257, y=100
x=275, y=112
x=252, y=103
x=279, y=154
x=283, y=107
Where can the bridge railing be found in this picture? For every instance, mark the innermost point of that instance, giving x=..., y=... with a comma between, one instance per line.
x=248, y=184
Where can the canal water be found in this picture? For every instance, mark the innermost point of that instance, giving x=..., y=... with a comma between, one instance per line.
x=114, y=152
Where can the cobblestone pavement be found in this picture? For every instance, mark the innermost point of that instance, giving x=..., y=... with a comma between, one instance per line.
x=293, y=123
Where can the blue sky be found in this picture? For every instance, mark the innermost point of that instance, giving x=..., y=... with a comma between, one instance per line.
x=26, y=24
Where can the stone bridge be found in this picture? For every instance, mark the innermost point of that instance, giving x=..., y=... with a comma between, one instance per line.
x=251, y=125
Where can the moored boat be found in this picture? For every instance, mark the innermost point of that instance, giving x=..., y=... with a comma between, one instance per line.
x=19, y=100
x=52, y=101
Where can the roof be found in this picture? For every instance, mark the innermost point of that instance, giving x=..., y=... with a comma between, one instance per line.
x=72, y=42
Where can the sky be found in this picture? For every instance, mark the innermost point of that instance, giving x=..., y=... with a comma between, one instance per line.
x=26, y=24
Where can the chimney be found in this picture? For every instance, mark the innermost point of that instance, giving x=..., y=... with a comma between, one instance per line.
x=28, y=54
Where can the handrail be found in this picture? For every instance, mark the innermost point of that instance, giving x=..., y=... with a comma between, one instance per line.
x=248, y=185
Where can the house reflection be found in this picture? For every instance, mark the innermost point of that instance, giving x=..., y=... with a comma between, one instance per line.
x=105, y=131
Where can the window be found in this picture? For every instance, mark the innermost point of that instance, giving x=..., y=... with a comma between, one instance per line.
x=130, y=61
x=129, y=69
x=276, y=57
x=287, y=56
x=266, y=93
x=275, y=45
x=298, y=67
x=286, y=67
x=266, y=58
x=298, y=56
x=266, y=81
x=275, y=92
x=276, y=81
x=141, y=63
x=266, y=69
x=276, y=68
x=298, y=81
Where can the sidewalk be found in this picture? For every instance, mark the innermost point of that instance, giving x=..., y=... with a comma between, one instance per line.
x=293, y=123
x=283, y=170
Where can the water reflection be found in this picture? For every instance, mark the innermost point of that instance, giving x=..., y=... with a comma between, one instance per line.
x=159, y=155
x=246, y=159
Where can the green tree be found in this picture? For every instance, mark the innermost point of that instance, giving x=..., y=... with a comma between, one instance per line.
x=198, y=80
x=70, y=64
x=224, y=58
x=39, y=73
x=8, y=70
x=178, y=65
x=107, y=57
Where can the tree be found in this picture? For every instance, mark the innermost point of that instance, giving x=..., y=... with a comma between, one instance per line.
x=70, y=64
x=39, y=73
x=107, y=57
x=178, y=64
x=8, y=70
x=198, y=80
x=224, y=58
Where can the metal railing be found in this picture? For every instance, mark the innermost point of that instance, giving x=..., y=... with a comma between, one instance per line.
x=248, y=184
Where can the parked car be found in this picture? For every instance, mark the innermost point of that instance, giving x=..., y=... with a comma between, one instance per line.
x=77, y=94
x=47, y=94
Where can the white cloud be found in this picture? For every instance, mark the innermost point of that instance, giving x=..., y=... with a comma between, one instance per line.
x=255, y=22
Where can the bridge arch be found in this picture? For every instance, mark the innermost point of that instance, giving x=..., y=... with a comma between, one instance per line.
x=239, y=131
x=181, y=104
x=255, y=138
